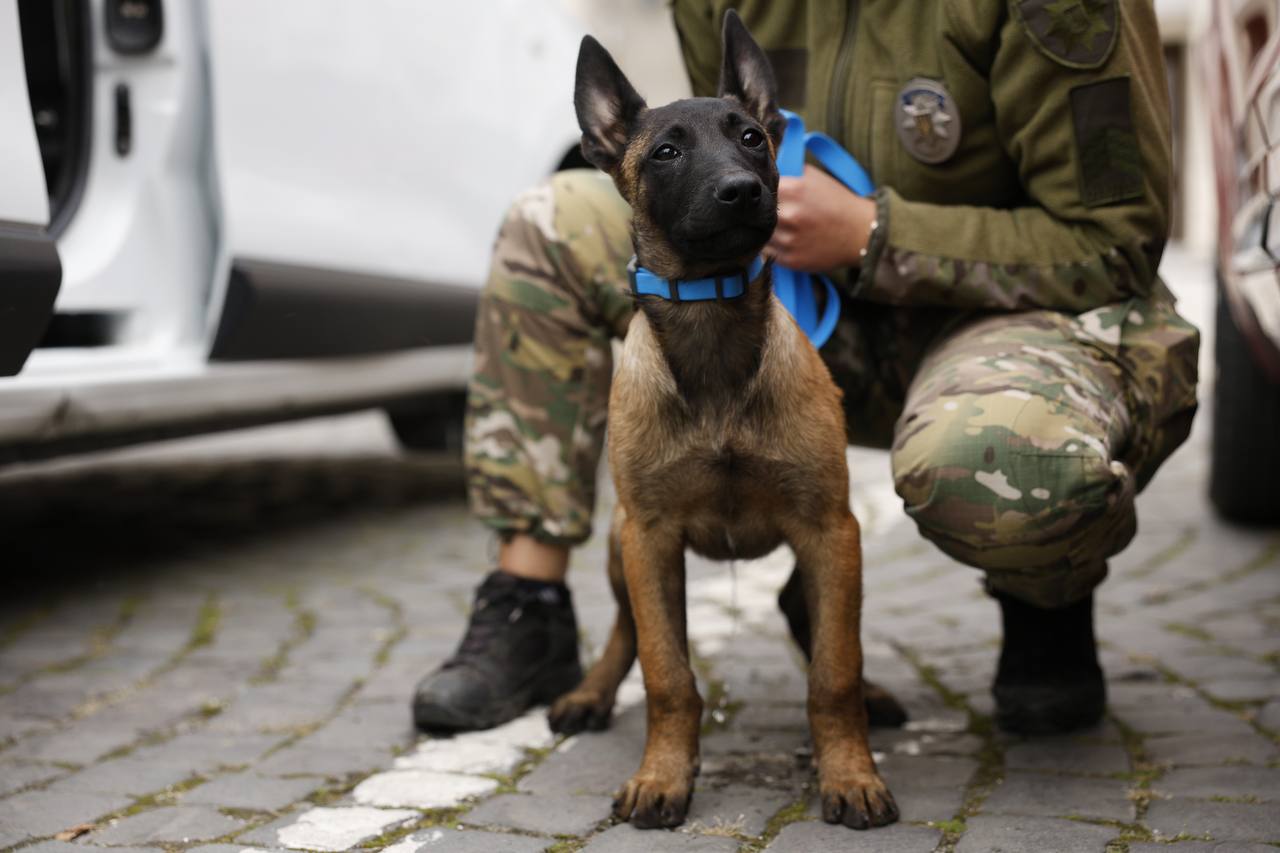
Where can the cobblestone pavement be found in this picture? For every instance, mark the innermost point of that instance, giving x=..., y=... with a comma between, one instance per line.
x=210, y=646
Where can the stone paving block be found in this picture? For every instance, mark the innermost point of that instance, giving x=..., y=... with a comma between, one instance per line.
x=589, y=763
x=15, y=727
x=740, y=741
x=545, y=814
x=170, y=824
x=40, y=813
x=494, y=750
x=80, y=745
x=466, y=841
x=301, y=759
x=1269, y=716
x=1244, y=689
x=280, y=707
x=818, y=837
x=463, y=755
x=1067, y=755
x=369, y=724
x=921, y=805
x=625, y=838
x=1162, y=718
x=218, y=848
x=1201, y=847
x=1210, y=748
x=328, y=829
x=907, y=771
x=206, y=751
x=1212, y=666
x=68, y=847
x=914, y=742
x=1221, y=821
x=420, y=789
x=1044, y=835
x=1234, y=780
x=760, y=715
x=1060, y=796
x=743, y=808
x=250, y=791
x=14, y=777
x=132, y=776
x=1142, y=694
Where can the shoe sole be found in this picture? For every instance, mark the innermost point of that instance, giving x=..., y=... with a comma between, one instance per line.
x=434, y=716
x=1026, y=710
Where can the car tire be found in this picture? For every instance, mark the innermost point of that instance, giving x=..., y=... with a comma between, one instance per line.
x=430, y=424
x=1245, y=462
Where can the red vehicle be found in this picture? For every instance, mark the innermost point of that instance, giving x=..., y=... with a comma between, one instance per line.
x=1243, y=77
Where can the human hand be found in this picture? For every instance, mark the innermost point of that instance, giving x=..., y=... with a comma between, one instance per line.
x=822, y=224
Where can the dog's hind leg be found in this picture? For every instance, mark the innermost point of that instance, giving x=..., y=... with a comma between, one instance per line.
x=883, y=709
x=590, y=704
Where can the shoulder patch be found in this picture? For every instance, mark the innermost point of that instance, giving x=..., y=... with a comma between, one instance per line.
x=1074, y=33
x=1108, y=159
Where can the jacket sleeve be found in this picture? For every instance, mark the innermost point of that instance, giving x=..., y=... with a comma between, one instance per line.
x=697, y=27
x=1092, y=149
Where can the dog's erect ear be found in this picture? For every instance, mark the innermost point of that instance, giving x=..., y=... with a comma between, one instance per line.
x=747, y=75
x=607, y=106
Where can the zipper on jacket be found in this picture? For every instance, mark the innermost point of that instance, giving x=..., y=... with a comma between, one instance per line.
x=840, y=77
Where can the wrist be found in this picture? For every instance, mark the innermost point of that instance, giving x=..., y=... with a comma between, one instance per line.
x=864, y=227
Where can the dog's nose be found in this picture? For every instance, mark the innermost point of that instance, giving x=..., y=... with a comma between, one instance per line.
x=740, y=191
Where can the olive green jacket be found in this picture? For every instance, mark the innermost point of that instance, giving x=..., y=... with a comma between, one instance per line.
x=1057, y=195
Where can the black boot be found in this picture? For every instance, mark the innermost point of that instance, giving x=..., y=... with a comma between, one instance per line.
x=882, y=708
x=520, y=649
x=1048, y=681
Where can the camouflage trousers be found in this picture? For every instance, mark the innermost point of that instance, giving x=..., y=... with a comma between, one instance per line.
x=1018, y=440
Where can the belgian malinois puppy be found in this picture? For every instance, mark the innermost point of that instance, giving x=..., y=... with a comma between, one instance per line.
x=726, y=431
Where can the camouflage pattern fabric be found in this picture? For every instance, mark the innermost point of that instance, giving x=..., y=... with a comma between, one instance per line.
x=1019, y=439
x=536, y=406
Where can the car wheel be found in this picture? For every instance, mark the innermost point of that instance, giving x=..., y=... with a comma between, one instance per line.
x=1245, y=464
x=431, y=423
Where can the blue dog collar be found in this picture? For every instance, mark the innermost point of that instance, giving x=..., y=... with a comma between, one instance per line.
x=645, y=283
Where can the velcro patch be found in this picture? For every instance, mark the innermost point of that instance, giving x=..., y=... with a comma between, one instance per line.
x=1108, y=158
x=1075, y=33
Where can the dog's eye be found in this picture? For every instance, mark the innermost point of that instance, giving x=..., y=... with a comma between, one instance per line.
x=752, y=138
x=666, y=152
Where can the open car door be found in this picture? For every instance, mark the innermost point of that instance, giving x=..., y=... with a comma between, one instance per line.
x=30, y=272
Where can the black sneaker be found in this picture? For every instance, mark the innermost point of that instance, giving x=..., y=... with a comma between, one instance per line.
x=883, y=710
x=520, y=650
x=1049, y=680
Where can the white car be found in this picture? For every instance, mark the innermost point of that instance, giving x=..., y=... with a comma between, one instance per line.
x=216, y=213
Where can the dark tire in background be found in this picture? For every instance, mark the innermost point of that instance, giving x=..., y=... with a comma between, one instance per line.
x=1245, y=463
x=430, y=424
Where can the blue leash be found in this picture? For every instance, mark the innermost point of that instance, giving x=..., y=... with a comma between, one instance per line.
x=795, y=288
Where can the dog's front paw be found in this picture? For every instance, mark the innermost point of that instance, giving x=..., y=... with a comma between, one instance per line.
x=651, y=802
x=578, y=710
x=858, y=802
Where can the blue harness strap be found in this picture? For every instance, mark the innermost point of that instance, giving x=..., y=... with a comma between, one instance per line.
x=795, y=288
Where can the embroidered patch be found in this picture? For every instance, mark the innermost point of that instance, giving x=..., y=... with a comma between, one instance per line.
x=927, y=120
x=1076, y=33
x=1108, y=159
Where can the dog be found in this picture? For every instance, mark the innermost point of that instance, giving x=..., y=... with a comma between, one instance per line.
x=726, y=432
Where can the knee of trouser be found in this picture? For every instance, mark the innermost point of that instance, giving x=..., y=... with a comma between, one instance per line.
x=577, y=211
x=1001, y=498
